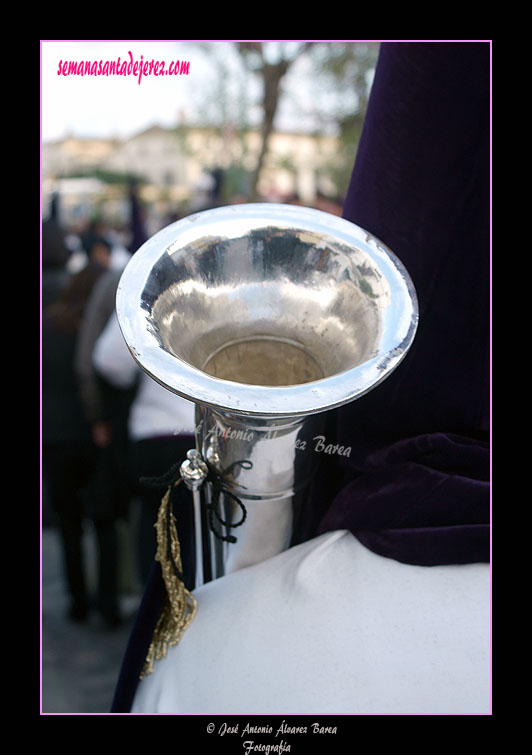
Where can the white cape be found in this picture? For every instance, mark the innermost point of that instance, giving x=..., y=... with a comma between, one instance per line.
x=330, y=627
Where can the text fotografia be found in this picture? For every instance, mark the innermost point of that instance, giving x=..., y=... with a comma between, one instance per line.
x=127, y=67
x=251, y=746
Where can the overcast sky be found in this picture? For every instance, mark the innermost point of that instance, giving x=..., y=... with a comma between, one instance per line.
x=104, y=106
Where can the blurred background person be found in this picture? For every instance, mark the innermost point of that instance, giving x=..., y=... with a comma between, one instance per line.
x=55, y=257
x=106, y=408
x=69, y=454
x=161, y=431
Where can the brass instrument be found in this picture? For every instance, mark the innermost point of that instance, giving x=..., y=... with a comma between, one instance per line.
x=266, y=316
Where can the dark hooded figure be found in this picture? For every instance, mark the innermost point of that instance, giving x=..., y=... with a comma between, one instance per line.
x=69, y=454
x=413, y=495
x=415, y=486
x=55, y=255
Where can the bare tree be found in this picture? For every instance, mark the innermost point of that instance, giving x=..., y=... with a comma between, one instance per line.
x=335, y=80
x=271, y=74
x=345, y=71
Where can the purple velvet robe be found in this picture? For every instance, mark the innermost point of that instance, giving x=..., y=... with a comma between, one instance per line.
x=416, y=484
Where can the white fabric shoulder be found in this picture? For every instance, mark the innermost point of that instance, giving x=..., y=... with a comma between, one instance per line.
x=111, y=356
x=155, y=410
x=330, y=627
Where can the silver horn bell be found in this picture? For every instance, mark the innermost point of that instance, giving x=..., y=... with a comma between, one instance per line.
x=265, y=316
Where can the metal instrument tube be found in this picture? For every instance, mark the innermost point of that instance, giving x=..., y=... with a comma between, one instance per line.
x=265, y=316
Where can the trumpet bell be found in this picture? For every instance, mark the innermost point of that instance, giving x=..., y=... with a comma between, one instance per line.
x=267, y=310
x=265, y=316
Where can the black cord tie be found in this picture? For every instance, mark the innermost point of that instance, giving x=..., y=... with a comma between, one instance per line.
x=180, y=605
x=217, y=482
x=172, y=477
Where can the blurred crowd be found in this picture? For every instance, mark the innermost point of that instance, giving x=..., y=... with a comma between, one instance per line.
x=84, y=418
x=105, y=424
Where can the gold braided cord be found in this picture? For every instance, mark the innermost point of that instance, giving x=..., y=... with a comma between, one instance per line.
x=180, y=605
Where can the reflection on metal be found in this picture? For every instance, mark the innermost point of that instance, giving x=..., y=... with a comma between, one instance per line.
x=265, y=316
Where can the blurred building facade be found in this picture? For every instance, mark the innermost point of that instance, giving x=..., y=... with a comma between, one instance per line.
x=177, y=167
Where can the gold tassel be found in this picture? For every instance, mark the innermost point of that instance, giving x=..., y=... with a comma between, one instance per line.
x=180, y=605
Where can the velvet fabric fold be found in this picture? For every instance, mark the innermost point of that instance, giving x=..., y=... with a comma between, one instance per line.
x=416, y=484
x=139, y=641
x=424, y=501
